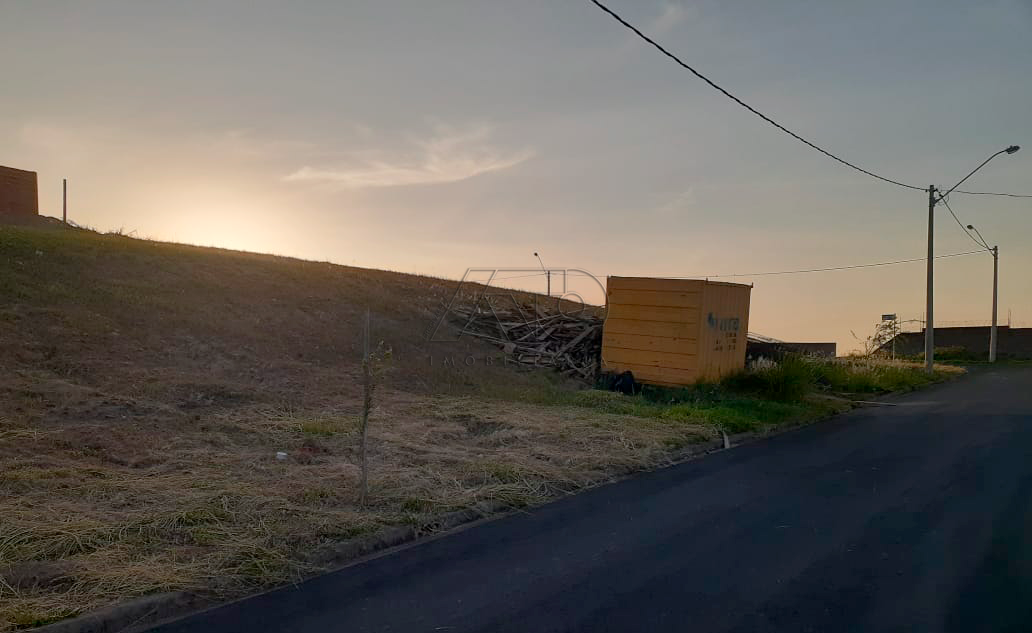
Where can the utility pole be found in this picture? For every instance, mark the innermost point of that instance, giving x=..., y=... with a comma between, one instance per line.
x=996, y=285
x=64, y=200
x=548, y=275
x=995, y=252
x=932, y=201
x=929, y=322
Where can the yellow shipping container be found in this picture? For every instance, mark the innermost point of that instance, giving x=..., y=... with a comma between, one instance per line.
x=675, y=332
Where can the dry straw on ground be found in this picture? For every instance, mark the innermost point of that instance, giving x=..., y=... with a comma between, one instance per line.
x=96, y=517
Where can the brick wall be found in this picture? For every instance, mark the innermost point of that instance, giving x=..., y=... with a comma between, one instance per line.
x=18, y=193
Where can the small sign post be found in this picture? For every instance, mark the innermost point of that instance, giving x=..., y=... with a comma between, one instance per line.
x=895, y=331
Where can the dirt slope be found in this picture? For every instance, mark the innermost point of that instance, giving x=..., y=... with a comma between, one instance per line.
x=187, y=326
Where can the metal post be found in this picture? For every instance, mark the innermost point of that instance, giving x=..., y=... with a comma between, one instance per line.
x=548, y=273
x=64, y=200
x=929, y=321
x=996, y=281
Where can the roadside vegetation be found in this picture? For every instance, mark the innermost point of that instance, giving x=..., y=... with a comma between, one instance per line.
x=961, y=356
x=795, y=377
x=149, y=389
x=794, y=390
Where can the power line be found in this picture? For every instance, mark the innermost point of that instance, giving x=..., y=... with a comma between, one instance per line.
x=537, y=274
x=820, y=270
x=945, y=201
x=766, y=118
x=744, y=104
x=994, y=193
x=777, y=272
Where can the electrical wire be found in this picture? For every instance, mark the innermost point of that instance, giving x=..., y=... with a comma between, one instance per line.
x=994, y=193
x=744, y=104
x=820, y=270
x=771, y=121
x=536, y=274
x=946, y=202
x=767, y=273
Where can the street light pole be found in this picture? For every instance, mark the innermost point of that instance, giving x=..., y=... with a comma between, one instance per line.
x=932, y=201
x=996, y=285
x=929, y=320
x=995, y=252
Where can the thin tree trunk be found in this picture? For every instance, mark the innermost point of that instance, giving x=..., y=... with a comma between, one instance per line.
x=367, y=380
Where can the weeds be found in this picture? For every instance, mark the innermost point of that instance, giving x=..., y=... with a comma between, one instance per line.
x=788, y=381
x=795, y=377
x=328, y=426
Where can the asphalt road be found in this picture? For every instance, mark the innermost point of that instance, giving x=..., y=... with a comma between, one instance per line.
x=915, y=517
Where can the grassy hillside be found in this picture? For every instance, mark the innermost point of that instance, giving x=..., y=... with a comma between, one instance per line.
x=186, y=325
x=145, y=389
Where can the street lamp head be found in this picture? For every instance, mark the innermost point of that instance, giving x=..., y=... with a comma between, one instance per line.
x=971, y=227
x=1012, y=149
x=535, y=254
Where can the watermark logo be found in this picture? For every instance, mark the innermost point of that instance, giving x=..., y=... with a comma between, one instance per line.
x=723, y=324
x=727, y=327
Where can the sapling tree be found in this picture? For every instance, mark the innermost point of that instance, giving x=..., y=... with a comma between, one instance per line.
x=883, y=333
x=374, y=364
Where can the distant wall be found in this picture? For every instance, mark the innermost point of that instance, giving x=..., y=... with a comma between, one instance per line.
x=1013, y=343
x=18, y=193
x=755, y=349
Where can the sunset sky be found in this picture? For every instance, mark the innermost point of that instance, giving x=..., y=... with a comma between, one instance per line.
x=432, y=137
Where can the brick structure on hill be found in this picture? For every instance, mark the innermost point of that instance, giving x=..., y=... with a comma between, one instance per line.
x=19, y=197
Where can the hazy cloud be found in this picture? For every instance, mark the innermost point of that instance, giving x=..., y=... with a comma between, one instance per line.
x=678, y=204
x=450, y=155
x=243, y=144
x=672, y=15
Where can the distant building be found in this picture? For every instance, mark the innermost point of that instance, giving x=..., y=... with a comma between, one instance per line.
x=19, y=196
x=760, y=346
x=971, y=342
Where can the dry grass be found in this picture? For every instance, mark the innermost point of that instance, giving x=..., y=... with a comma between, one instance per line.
x=147, y=388
x=205, y=506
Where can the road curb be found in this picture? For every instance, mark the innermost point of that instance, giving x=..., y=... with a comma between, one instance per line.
x=132, y=614
x=143, y=613
x=349, y=551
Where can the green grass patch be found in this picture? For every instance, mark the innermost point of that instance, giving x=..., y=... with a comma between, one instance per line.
x=29, y=619
x=704, y=405
x=788, y=392
x=327, y=427
x=795, y=377
x=788, y=381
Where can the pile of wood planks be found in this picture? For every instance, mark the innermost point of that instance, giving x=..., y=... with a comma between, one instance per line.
x=532, y=336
